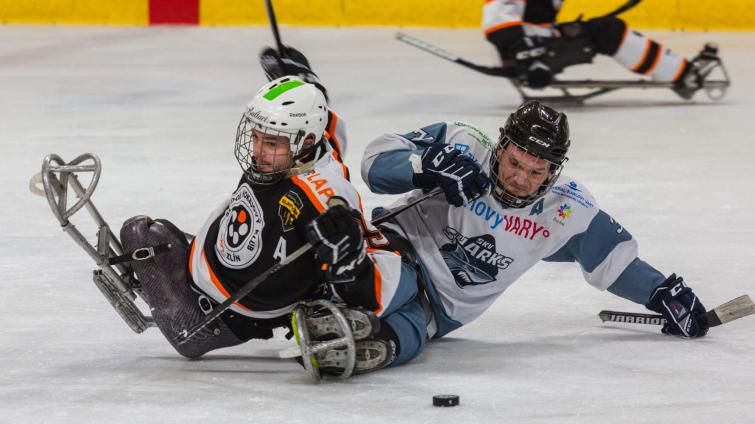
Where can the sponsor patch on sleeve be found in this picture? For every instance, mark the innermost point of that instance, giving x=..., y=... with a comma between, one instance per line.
x=289, y=209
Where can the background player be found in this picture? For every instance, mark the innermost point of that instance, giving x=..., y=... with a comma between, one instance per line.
x=527, y=38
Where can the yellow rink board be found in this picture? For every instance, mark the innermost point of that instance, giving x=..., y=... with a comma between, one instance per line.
x=655, y=14
x=86, y=12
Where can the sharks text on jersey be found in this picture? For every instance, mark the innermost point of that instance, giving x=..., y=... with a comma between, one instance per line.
x=472, y=260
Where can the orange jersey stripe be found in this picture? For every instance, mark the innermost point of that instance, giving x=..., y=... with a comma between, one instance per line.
x=502, y=25
x=681, y=69
x=644, y=56
x=308, y=191
x=345, y=169
x=191, y=256
x=378, y=287
x=655, y=62
x=332, y=133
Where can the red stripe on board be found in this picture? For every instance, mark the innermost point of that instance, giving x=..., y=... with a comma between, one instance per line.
x=184, y=12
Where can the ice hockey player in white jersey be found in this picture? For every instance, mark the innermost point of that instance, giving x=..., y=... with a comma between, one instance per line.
x=472, y=244
x=291, y=166
x=527, y=38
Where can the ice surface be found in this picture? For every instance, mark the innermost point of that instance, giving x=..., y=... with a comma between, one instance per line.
x=160, y=107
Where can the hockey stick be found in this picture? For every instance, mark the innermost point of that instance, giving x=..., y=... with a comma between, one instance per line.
x=495, y=71
x=729, y=311
x=390, y=214
x=623, y=8
x=186, y=334
x=714, y=89
x=274, y=27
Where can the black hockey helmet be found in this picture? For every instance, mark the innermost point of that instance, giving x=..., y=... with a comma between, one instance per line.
x=540, y=131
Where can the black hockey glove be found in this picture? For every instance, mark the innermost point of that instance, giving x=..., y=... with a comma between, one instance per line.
x=293, y=62
x=457, y=174
x=676, y=302
x=538, y=59
x=531, y=61
x=337, y=239
x=573, y=29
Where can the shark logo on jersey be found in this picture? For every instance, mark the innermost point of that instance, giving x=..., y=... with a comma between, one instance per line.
x=472, y=260
x=239, y=241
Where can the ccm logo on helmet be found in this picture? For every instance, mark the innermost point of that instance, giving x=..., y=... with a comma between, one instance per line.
x=540, y=142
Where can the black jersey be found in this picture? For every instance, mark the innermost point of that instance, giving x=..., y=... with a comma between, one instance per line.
x=260, y=225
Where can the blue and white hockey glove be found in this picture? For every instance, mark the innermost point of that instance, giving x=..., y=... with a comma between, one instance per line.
x=681, y=308
x=336, y=237
x=457, y=174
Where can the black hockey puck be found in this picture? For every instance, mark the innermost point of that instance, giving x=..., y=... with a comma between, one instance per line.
x=445, y=400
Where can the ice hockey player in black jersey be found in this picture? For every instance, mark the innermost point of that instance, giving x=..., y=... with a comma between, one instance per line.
x=291, y=162
x=527, y=38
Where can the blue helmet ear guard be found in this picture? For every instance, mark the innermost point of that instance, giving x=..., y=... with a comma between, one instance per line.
x=540, y=131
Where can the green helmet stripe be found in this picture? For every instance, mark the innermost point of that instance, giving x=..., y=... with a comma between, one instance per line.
x=277, y=91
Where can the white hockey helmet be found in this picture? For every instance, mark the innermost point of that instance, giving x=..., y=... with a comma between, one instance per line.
x=286, y=107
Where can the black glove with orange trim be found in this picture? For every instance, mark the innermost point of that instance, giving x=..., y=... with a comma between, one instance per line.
x=337, y=239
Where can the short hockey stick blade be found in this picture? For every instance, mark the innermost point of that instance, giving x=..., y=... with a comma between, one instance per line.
x=731, y=310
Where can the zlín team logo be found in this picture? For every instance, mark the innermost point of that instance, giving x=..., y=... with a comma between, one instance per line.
x=238, y=227
x=240, y=230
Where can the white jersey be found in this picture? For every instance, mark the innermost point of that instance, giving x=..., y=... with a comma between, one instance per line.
x=500, y=14
x=472, y=254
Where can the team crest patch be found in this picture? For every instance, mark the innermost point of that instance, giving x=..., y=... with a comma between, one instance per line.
x=289, y=209
x=239, y=240
x=472, y=260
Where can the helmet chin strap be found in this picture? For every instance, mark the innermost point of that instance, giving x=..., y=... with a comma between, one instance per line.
x=300, y=168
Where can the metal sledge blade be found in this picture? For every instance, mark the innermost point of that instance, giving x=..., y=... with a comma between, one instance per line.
x=60, y=182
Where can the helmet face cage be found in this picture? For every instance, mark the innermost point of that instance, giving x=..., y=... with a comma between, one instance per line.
x=244, y=152
x=499, y=187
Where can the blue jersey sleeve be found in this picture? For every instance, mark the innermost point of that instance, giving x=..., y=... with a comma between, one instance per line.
x=607, y=254
x=387, y=167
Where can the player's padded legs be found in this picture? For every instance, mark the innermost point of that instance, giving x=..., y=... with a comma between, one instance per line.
x=634, y=51
x=607, y=33
x=165, y=281
x=410, y=328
